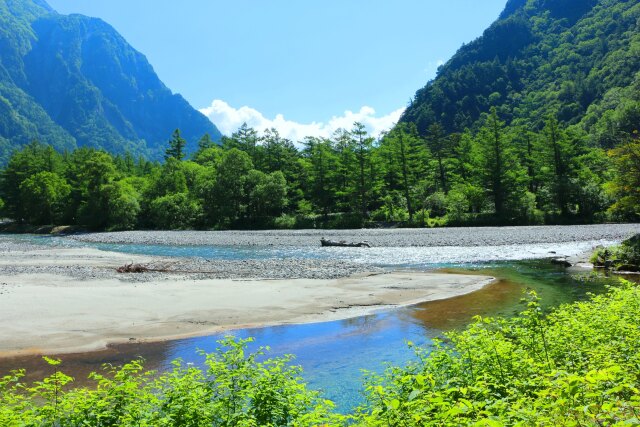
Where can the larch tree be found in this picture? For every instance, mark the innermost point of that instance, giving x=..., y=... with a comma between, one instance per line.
x=176, y=147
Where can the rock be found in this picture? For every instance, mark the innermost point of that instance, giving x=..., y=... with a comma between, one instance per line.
x=583, y=266
x=628, y=268
x=561, y=261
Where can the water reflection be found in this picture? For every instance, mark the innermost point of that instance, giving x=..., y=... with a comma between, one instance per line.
x=457, y=312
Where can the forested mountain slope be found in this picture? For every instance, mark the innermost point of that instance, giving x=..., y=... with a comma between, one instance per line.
x=74, y=81
x=533, y=123
x=576, y=59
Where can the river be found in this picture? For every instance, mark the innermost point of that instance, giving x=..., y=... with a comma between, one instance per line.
x=334, y=354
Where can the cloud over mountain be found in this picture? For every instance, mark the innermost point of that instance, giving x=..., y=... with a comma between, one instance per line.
x=228, y=119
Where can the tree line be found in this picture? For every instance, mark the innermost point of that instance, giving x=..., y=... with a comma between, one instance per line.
x=496, y=175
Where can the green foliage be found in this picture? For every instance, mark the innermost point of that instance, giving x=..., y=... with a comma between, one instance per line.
x=497, y=175
x=177, y=146
x=565, y=58
x=31, y=160
x=96, y=173
x=175, y=211
x=501, y=172
x=624, y=257
x=236, y=388
x=123, y=205
x=43, y=196
x=576, y=366
x=625, y=187
x=229, y=191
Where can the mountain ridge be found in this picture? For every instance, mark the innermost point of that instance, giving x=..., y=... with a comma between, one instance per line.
x=72, y=80
x=540, y=57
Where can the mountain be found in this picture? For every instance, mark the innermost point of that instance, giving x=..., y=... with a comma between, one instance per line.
x=578, y=60
x=74, y=81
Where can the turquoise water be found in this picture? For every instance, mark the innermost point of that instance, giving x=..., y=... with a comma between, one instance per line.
x=333, y=354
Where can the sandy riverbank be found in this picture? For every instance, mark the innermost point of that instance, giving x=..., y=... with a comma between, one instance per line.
x=69, y=300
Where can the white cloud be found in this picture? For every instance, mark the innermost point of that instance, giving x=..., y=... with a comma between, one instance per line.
x=432, y=67
x=228, y=119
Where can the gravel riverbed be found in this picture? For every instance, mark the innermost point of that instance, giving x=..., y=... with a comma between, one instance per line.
x=60, y=260
x=465, y=242
x=434, y=237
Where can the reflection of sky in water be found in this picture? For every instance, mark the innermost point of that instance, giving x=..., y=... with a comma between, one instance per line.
x=334, y=353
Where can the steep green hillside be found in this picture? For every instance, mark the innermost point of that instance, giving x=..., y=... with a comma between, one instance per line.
x=74, y=81
x=578, y=60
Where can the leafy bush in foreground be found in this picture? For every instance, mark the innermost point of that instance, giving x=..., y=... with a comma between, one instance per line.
x=580, y=365
x=235, y=389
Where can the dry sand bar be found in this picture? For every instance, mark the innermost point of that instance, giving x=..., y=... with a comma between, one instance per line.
x=57, y=313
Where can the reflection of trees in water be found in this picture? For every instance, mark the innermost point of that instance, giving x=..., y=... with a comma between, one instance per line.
x=458, y=312
x=80, y=365
x=363, y=324
x=554, y=285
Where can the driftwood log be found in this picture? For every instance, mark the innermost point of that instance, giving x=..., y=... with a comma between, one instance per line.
x=133, y=268
x=343, y=243
x=145, y=268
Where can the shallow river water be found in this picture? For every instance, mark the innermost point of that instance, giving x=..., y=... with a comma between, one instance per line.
x=333, y=354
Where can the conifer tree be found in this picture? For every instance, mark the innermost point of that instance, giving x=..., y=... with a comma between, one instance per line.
x=205, y=142
x=501, y=173
x=363, y=144
x=440, y=147
x=176, y=146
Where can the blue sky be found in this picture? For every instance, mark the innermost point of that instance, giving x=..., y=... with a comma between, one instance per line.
x=298, y=65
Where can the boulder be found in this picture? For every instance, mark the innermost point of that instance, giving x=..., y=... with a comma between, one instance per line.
x=561, y=261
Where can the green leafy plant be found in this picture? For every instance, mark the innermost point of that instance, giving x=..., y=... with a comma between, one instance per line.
x=577, y=366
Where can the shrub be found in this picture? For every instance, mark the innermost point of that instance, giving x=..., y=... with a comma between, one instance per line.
x=44, y=196
x=625, y=256
x=234, y=389
x=578, y=366
x=285, y=222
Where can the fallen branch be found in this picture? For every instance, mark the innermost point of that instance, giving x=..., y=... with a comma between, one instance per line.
x=145, y=268
x=342, y=243
x=133, y=268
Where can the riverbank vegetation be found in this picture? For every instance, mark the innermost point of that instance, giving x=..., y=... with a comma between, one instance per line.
x=578, y=365
x=497, y=175
x=621, y=258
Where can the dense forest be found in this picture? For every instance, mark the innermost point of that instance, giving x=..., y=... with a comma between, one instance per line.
x=534, y=122
x=497, y=175
x=576, y=60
